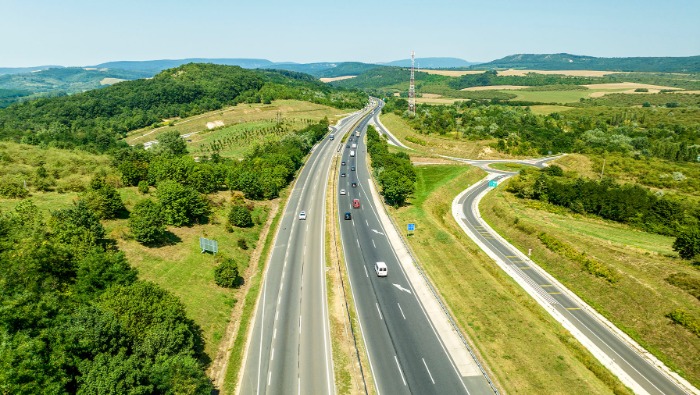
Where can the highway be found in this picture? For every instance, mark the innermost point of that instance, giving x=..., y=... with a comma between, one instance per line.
x=614, y=349
x=406, y=354
x=289, y=349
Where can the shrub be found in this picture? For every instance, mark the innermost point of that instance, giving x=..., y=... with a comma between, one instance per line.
x=181, y=205
x=239, y=216
x=688, y=243
x=226, y=275
x=143, y=187
x=242, y=244
x=685, y=319
x=146, y=222
x=11, y=189
x=641, y=90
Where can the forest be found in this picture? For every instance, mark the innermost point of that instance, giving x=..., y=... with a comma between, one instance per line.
x=393, y=171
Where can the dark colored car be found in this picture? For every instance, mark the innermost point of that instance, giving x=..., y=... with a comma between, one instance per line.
x=354, y=185
x=342, y=163
x=342, y=174
x=348, y=216
x=352, y=168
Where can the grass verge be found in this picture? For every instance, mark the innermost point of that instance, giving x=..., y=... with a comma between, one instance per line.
x=525, y=350
x=644, y=295
x=350, y=377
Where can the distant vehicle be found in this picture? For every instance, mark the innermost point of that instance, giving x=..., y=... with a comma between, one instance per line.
x=342, y=191
x=352, y=154
x=332, y=137
x=353, y=146
x=348, y=215
x=347, y=146
x=354, y=185
x=342, y=163
x=380, y=268
x=342, y=174
x=302, y=215
x=355, y=203
x=352, y=168
x=357, y=133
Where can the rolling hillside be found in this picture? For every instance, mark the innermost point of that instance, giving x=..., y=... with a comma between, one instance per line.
x=564, y=61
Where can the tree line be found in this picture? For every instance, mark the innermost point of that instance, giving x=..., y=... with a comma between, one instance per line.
x=394, y=172
x=625, y=203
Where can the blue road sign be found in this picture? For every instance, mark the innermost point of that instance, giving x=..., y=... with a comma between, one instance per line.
x=411, y=227
x=493, y=184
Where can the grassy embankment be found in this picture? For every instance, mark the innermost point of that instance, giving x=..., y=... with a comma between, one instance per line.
x=644, y=264
x=524, y=348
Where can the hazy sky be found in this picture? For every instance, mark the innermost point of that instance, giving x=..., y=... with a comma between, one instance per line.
x=88, y=32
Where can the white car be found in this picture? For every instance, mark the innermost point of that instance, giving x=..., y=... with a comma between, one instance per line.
x=380, y=268
x=302, y=215
x=342, y=191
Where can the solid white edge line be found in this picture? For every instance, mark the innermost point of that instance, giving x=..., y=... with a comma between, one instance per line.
x=379, y=311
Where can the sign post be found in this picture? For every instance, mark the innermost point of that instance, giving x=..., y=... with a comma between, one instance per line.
x=411, y=228
x=493, y=183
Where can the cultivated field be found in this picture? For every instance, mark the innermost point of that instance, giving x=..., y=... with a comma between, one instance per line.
x=451, y=73
x=331, y=79
x=572, y=73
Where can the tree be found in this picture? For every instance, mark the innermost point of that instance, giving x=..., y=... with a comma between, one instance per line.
x=396, y=187
x=688, y=243
x=239, y=216
x=103, y=199
x=77, y=227
x=226, y=275
x=146, y=222
x=170, y=143
x=181, y=205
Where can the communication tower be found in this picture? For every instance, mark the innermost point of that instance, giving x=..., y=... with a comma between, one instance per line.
x=412, y=89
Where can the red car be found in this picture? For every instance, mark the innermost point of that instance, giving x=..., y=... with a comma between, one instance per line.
x=355, y=203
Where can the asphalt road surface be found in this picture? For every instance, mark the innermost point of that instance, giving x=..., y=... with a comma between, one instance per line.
x=289, y=350
x=406, y=354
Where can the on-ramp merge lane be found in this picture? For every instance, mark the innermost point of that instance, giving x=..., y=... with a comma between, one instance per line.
x=644, y=377
x=289, y=349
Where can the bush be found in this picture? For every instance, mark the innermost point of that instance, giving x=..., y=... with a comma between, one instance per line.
x=146, y=222
x=641, y=90
x=12, y=190
x=181, y=205
x=143, y=187
x=226, y=275
x=239, y=216
x=688, y=243
x=242, y=244
x=104, y=201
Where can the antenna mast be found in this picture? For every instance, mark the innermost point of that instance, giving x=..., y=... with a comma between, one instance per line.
x=412, y=89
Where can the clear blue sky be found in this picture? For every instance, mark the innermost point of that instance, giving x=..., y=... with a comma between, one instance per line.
x=87, y=32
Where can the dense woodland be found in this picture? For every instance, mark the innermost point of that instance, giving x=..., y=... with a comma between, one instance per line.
x=393, y=171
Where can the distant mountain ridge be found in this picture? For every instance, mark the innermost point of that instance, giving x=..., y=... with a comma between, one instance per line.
x=432, y=63
x=565, y=61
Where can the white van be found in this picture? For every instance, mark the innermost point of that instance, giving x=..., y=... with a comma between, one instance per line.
x=380, y=268
x=352, y=154
x=353, y=146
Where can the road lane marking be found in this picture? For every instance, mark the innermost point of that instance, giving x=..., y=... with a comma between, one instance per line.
x=366, y=274
x=400, y=372
x=375, y=246
x=274, y=334
x=380, y=312
x=546, y=285
x=277, y=315
x=269, y=376
x=573, y=308
x=426, y=368
x=299, y=324
x=358, y=242
x=554, y=293
x=272, y=357
x=367, y=223
x=401, y=310
x=402, y=288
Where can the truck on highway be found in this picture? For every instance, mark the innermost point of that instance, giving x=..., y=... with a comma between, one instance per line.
x=352, y=154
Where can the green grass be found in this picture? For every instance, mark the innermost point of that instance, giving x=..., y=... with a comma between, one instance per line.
x=508, y=166
x=546, y=109
x=182, y=269
x=524, y=348
x=641, y=298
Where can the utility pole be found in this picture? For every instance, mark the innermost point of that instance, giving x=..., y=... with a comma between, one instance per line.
x=412, y=88
x=602, y=171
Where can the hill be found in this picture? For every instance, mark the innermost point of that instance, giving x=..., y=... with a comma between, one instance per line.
x=326, y=69
x=564, y=61
x=432, y=63
x=97, y=119
x=153, y=67
x=19, y=70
